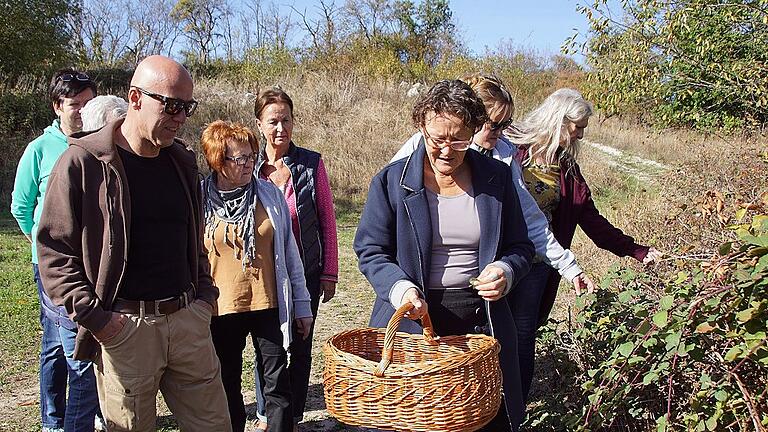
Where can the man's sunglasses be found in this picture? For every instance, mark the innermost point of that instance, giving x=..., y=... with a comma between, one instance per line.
x=495, y=126
x=79, y=76
x=172, y=106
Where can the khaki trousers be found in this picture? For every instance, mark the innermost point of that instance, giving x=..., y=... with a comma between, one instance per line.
x=171, y=353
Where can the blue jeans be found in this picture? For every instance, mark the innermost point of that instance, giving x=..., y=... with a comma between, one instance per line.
x=524, y=302
x=58, y=369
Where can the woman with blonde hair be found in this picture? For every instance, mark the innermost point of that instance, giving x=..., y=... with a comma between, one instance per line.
x=549, y=139
x=256, y=266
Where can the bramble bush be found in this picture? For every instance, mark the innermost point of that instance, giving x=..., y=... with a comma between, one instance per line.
x=686, y=351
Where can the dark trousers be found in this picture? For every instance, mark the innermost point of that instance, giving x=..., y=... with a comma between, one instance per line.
x=301, y=361
x=459, y=312
x=524, y=303
x=229, y=333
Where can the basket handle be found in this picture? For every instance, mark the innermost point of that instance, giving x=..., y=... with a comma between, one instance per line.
x=389, y=336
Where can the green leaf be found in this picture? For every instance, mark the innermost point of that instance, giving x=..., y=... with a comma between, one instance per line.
x=626, y=348
x=666, y=302
x=721, y=395
x=725, y=248
x=732, y=353
x=625, y=296
x=661, y=318
x=672, y=341
x=650, y=377
x=746, y=315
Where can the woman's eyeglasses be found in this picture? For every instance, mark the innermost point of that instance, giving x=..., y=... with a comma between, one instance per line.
x=172, y=106
x=496, y=126
x=241, y=160
x=440, y=143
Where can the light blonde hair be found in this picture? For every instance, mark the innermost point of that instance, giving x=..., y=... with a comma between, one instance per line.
x=543, y=127
x=491, y=90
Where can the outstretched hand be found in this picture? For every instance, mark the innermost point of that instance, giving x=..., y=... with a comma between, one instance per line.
x=653, y=256
x=582, y=282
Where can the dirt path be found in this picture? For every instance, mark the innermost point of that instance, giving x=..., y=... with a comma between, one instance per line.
x=643, y=169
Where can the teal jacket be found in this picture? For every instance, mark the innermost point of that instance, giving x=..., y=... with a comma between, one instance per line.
x=32, y=179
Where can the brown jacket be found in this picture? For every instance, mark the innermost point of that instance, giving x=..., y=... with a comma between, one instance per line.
x=82, y=239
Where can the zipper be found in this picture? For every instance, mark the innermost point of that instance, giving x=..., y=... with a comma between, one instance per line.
x=125, y=240
x=108, y=201
x=299, y=243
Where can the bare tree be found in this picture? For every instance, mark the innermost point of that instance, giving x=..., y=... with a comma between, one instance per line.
x=277, y=26
x=153, y=32
x=322, y=30
x=200, y=19
x=369, y=18
x=103, y=32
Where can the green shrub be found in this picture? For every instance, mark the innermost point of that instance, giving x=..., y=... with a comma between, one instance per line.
x=24, y=114
x=684, y=352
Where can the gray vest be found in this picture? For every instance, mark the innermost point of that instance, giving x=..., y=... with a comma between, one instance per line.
x=303, y=166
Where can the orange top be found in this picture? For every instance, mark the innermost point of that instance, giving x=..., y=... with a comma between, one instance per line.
x=243, y=290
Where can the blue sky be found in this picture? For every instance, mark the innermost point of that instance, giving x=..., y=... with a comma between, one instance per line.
x=539, y=24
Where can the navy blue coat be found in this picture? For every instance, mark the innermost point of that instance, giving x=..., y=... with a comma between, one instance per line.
x=394, y=242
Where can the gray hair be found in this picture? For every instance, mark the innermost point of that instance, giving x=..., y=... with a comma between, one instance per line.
x=102, y=110
x=543, y=127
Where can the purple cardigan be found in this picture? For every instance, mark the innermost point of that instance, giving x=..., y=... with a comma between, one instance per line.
x=576, y=207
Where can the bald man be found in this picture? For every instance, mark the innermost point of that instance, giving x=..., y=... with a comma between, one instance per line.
x=120, y=248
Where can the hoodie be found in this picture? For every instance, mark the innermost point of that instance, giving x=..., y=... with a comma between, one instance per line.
x=32, y=179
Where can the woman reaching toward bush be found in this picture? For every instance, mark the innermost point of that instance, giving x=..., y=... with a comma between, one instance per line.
x=549, y=140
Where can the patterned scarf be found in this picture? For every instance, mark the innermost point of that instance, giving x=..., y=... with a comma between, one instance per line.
x=237, y=207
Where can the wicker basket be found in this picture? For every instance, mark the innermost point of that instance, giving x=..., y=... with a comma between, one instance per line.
x=405, y=382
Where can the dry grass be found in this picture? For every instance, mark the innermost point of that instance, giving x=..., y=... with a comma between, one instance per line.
x=355, y=123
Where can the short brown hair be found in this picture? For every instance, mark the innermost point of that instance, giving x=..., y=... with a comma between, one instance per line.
x=452, y=97
x=216, y=137
x=270, y=96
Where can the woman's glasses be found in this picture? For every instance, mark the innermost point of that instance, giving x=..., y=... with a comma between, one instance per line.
x=241, y=160
x=172, y=106
x=440, y=143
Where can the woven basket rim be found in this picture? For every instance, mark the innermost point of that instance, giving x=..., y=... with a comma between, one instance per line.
x=359, y=363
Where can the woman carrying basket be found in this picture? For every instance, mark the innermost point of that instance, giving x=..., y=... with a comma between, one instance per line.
x=439, y=218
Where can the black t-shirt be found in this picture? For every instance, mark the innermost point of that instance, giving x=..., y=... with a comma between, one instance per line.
x=157, y=265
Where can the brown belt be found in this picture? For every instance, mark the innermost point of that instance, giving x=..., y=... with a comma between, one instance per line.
x=153, y=307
